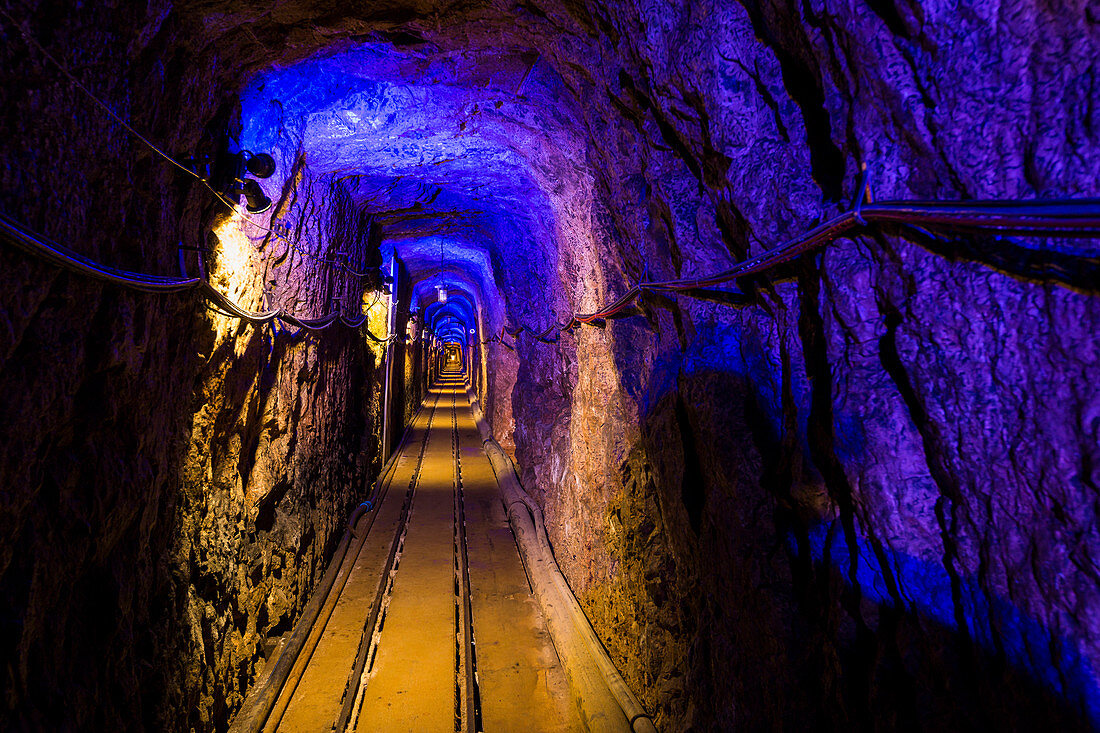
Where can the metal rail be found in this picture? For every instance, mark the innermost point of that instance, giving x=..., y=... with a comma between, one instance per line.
x=467, y=693
x=263, y=709
x=605, y=700
x=371, y=630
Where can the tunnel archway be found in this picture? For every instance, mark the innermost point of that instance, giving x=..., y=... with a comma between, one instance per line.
x=852, y=488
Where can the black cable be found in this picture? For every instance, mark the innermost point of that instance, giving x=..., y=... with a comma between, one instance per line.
x=34, y=244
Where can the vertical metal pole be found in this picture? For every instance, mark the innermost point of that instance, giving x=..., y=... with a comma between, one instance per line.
x=388, y=379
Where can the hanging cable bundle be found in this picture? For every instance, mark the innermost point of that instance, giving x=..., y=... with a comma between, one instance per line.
x=1052, y=218
x=1070, y=218
x=26, y=240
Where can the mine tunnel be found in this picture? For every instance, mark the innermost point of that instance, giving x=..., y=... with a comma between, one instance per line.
x=517, y=365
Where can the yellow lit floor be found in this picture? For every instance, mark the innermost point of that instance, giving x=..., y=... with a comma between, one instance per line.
x=409, y=683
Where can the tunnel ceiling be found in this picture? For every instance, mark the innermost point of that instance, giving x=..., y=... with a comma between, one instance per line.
x=453, y=318
x=866, y=496
x=459, y=154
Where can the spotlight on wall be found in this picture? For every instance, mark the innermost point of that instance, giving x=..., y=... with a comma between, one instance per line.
x=223, y=168
x=260, y=165
x=225, y=172
x=256, y=200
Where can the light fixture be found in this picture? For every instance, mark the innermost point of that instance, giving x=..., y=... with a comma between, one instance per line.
x=225, y=172
x=442, y=273
x=256, y=201
x=260, y=165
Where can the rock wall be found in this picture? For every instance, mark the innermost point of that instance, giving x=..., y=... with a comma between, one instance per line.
x=173, y=479
x=864, y=499
x=283, y=439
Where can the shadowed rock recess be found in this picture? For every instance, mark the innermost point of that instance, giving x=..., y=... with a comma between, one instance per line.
x=862, y=498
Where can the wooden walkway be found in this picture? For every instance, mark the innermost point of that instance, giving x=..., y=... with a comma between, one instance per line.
x=433, y=626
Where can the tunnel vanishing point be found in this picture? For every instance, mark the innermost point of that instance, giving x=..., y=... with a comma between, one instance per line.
x=697, y=365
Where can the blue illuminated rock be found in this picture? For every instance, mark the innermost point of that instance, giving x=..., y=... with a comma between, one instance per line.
x=864, y=499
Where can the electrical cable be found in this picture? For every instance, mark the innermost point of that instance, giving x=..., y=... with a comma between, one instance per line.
x=25, y=32
x=34, y=244
x=29, y=242
x=1068, y=217
x=1036, y=218
x=32, y=41
x=1063, y=217
x=38, y=246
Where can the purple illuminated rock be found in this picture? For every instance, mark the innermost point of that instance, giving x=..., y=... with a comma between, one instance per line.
x=864, y=500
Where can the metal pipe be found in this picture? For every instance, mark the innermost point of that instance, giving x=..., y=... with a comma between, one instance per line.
x=392, y=333
x=607, y=703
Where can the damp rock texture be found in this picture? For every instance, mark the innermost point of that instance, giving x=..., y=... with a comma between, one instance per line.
x=173, y=480
x=874, y=480
x=859, y=496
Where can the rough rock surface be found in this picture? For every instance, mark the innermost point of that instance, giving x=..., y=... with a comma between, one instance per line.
x=862, y=500
x=173, y=480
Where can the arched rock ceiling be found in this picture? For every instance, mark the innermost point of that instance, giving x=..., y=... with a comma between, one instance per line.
x=460, y=311
x=458, y=153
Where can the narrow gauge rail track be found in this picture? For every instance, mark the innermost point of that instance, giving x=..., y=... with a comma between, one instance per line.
x=466, y=705
x=467, y=687
x=393, y=646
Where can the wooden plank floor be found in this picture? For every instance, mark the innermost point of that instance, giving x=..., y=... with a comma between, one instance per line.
x=410, y=682
x=521, y=678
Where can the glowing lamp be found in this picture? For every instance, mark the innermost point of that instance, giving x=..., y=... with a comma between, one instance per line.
x=442, y=294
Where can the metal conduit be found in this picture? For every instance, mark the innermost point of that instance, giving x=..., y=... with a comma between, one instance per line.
x=1065, y=218
x=606, y=702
